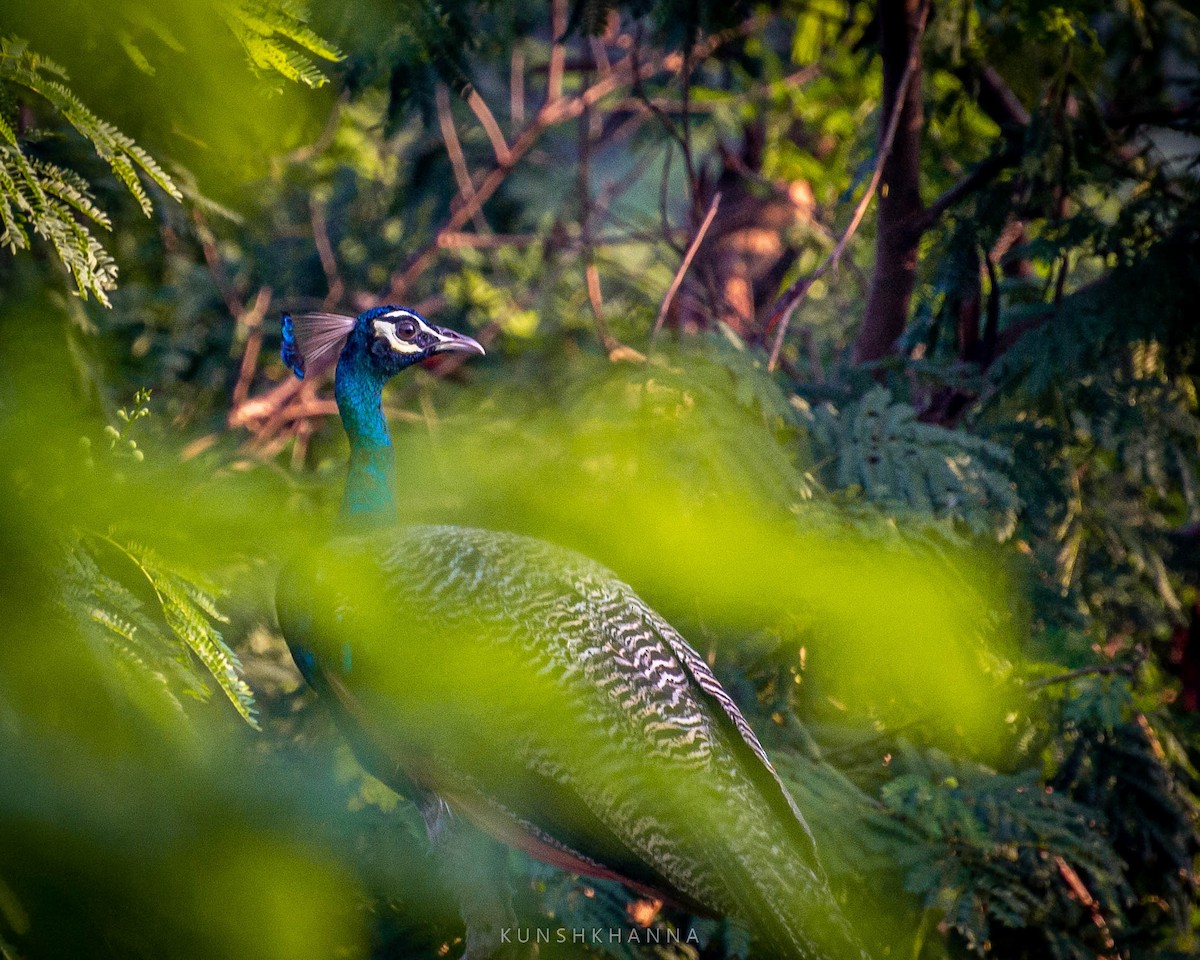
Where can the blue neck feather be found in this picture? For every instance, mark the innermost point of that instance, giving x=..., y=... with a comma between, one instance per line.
x=370, y=498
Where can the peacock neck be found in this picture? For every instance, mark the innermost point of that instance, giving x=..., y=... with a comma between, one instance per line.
x=370, y=498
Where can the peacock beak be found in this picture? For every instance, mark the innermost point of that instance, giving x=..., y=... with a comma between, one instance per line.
x=450, y=341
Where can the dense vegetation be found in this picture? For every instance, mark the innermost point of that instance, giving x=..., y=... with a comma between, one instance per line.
x=859, y=337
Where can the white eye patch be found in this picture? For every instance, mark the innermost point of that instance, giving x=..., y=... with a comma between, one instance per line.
x=415, y=318
x=388, y=331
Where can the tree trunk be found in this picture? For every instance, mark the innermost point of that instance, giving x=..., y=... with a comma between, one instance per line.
x=898, y=232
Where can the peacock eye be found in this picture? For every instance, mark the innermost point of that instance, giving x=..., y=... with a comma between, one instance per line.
x=406, y=329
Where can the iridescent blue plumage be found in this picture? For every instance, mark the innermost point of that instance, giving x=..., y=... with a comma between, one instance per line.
x=290, y=351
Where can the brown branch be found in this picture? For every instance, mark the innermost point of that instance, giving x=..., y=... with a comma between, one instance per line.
x=683, y=267
x=251, y=321
x=994, y=96
x=458, y=160
x=519, y=241
x=612, y=346
x=991, y=325
x=320, y=230
x=302, y=434
x=1081, y=893
x=790, y=300
x=265, y=406
x=488, y=121
x=560, y=111
x=600, y=55
x=591, y=278
x=902, y=26
x=212, y=258
x=516, y=89
x=590, y=273
x=558, y=27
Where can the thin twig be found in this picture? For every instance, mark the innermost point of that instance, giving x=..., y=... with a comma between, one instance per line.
x=558, y=27
x=520, y=241
x=212, y=257
x=1076, y=885
x=615, y=188
x=308, y=151
x=600, y=55
x=672, y=105
x=1098, y=669
x=789, y=301
x=683, y=266
x=685, y=120
x=664, y=186
x=303, y=434
x=561, y=111
x=250, y=320
x=488, y=121
x=458, y=160
x=516, y=88
x=978, y=178
x=682, y=137
x=991, y=325
x=590, y=273
x=333, y=279
x=265, y=404
x=1060, y=282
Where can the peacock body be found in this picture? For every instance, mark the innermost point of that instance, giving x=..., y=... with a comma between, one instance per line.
x=535, y=693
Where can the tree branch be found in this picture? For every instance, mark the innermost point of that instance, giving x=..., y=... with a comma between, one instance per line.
x=994, y=96
x=488, y=121
x=980, y=177
x=320, y=229
x=902, y=25
x=458, y=160
x=683, y=267
x=790, y=300
x=560, y=111
x=558, y=27
x=1099, y=669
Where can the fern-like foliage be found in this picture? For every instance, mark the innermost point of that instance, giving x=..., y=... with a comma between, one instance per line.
x=1127, y=765
x=159, y=631
x=54, y=203
x=1006, y=860
x=276, y=37
x=877, y=445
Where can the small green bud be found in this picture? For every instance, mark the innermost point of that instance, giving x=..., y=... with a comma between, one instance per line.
x=138, y=456
x=111, y=431
x=85, y=443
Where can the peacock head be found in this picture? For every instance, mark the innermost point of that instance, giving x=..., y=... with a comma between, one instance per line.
x=380, y=342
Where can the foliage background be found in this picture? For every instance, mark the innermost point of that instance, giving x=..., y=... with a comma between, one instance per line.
x=923, y=487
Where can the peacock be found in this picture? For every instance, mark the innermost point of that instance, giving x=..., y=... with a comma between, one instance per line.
x=527, y=690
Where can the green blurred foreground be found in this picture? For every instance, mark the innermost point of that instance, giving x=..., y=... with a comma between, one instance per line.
x=119, y=807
